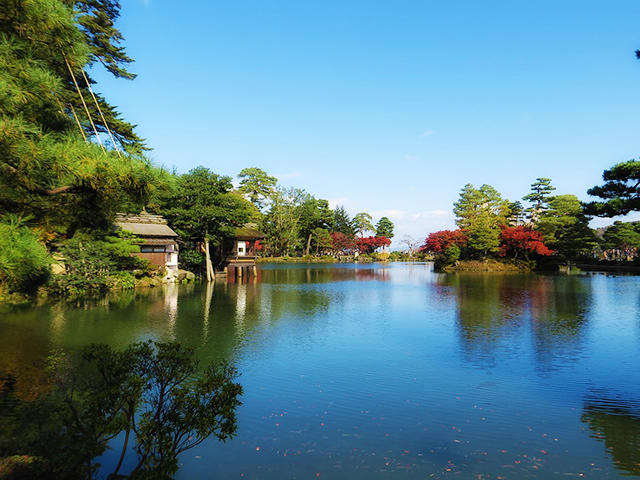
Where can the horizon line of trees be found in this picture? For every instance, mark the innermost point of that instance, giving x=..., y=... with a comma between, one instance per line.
x=553, y=227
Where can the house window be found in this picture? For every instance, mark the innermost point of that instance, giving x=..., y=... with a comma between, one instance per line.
x=146, y=249
x=158, y=249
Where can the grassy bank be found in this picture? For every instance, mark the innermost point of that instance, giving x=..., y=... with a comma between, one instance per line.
x=490, y=266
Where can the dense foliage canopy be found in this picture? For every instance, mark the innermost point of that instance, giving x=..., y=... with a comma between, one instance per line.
x=620, y=192
x=516, y=241
x=257, y=185
x=481, y=213
x=53, y=165
x=566, y=228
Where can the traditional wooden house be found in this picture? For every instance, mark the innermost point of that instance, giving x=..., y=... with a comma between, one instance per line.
x=242, y=250
x=157, y=241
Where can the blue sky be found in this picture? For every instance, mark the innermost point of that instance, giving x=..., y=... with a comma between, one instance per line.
x=387, y=107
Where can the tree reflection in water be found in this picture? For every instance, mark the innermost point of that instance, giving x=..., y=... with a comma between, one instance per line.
x=615, y=421
x=496, y=311
x=505, y=359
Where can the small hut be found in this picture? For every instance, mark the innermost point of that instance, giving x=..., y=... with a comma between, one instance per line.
x=157, y=241
x=241, y=251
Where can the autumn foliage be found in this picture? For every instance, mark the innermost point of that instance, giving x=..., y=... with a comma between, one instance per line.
x=342, y=243
x=367, y=245
x=520, y=240
x=515, y=242
x=440, y=241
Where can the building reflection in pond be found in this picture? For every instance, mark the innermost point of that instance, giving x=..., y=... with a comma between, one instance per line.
x=241, y=307
x=171, y=306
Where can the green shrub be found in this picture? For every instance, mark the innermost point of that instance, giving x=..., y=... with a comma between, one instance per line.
x=447, y=257
x=192, y=260
x=98, y=265
x=122, y=280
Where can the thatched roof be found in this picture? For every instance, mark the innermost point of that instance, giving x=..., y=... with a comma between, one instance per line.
x=144, y=225
x=248, y=232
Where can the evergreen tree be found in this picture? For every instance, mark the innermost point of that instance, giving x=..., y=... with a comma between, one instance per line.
x=483, y=234
x=201, y=208
x=623, y=236
x=24, y=262
x=322, y=240
x=316, y=214
x=282, y=222
x=362, y=223
x=342, y=222
x=49, y=167
x=384, y=228
x=539, y=197
x=257, y=185
x=566, y=228
x=481, y=213
x=620, y=192
x=515, y=216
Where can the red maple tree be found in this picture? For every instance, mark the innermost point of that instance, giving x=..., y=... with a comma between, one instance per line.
x=439, y=241
x=371, y=244
x=517, y=240
x=342, y=243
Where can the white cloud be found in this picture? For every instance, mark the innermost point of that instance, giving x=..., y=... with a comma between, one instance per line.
x=411, y=159
x=427, y=133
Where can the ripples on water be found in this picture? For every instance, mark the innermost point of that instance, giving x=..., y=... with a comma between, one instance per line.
x=392, y=371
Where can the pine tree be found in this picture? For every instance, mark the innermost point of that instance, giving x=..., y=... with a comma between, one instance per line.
x=384, y=228
x=51, y=165
x=620, y=192
x=566, y=228
x=342, y=222
x=362, y=223
x=480, y=213
x=539, y=196
x=257, y=185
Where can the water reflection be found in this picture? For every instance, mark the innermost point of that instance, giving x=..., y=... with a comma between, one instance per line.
x=488, y=314
x=559, y=317
x=615, y=421
x=384, y=351
x=219, y=318
x=495, y=312
x=310, y=274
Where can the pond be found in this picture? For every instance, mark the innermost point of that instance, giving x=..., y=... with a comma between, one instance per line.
x=390, y=370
